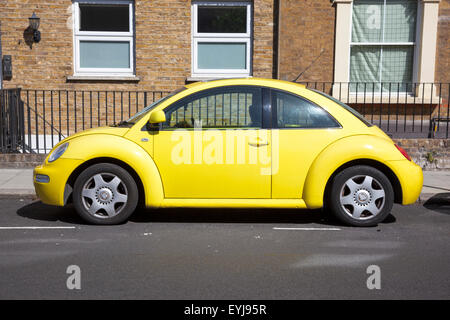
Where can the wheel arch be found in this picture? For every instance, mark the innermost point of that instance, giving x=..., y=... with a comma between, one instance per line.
x=398, y=194
x=75, y=173
x=368, y=150
x=98, y=148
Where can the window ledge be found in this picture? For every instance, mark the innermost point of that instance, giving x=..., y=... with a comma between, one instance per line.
x=402, y=98
x=103, y=78
x=210, y=78
x=342, y=1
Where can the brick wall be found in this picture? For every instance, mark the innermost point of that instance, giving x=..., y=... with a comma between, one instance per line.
x=20, y=160
x=263, y=33
x=443, y=43
x=306, y=27
x=430, y=154
x=163, y=45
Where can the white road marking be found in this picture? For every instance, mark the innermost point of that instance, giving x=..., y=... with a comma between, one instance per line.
x=34, y=228
x=308, y=229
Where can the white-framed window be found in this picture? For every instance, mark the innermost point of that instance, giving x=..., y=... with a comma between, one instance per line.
x=383, y=43
x=103, y=37
x=221, y=38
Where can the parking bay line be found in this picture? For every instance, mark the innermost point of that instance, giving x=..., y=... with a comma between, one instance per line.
x=307, y=229
x=34, y=228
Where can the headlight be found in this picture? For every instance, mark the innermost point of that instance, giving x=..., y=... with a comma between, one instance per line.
x=55, y=154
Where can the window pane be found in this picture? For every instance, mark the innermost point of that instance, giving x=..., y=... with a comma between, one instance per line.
x=367, y=25
x=365, y=64
x=104, y=17
x=371, y=18
x=226, y=19
x=400, y=19
x=397, y=66
x=375, y=22
x=295, y=112
x=222, y=55
x=223, y=108
x=104, y=54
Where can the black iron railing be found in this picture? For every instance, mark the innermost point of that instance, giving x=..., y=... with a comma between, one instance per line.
x=403, y=110
x=52, y=115
x=11, y=121
x=33, y=121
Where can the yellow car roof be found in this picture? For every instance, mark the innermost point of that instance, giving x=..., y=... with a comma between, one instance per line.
x=240, y=81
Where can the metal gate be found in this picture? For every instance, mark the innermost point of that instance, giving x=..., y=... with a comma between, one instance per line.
x=12, y=135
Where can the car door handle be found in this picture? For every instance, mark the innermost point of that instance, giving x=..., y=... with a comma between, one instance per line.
x=258, y=143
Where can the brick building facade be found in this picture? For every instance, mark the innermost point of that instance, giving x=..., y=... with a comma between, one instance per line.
x=308, y=27
x=161, y=45
x=443, y=43
x=286, y=36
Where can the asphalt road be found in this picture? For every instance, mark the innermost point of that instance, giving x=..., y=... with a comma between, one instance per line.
x=223, y=254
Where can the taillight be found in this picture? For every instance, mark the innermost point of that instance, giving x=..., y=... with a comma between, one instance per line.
x=403, y=152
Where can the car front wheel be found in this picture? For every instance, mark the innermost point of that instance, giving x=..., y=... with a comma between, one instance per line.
x=361, y=196
x=105, y=193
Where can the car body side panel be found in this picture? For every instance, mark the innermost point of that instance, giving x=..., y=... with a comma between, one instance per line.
x=214, y=164
x=234, y=203
x=410, y=176
x=293, y=152
x=343, y=151
x=109, y=146
x=59, y=171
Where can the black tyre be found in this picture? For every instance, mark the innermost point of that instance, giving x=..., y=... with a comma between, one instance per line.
x=360, y=196
x=105, y=194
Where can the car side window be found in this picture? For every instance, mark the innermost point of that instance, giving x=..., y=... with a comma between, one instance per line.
x=225, y=107
x=296, y=112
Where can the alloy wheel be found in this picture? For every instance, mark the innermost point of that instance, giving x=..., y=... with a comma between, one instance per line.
x=104, y=195
x=362, y=197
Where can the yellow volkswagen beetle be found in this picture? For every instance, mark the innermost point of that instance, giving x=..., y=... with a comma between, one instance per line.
x=253, y=143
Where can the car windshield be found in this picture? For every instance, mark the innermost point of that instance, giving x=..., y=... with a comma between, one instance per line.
x=138, y=116
x=346, y=107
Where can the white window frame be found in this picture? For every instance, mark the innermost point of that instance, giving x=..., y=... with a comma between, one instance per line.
x=220, y=38
x=424, y=54
x=105, y=36
x=383, y=44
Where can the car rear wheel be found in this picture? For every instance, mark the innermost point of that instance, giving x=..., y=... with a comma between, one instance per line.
x=105, y=194
x=361, y=196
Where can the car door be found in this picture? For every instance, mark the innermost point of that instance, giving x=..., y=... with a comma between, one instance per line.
x=302, y=129
x=213, y=145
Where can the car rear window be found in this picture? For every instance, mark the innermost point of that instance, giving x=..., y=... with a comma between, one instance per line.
x=346, y=107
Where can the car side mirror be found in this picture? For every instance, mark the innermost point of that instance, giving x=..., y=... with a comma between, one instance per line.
x=157, y=117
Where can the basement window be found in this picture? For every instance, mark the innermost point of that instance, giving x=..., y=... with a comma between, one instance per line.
x=103, y=38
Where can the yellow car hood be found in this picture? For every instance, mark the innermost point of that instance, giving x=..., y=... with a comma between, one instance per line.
x=116, y=131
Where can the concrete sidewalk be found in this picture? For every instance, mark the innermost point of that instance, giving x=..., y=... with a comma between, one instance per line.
x=16, y=183
x=19, y=183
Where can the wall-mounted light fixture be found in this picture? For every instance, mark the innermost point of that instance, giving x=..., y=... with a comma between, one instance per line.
x=34, y=26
